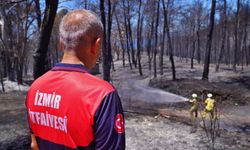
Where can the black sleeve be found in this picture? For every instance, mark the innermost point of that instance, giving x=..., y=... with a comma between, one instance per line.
x=109, y=128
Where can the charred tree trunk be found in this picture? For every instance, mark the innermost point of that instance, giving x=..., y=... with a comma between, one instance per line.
x=23, y=47
x=187, y=45
x=228, y=60
x=1, y=74
x=130, y=35
x=109, y=50
x=121, y=40
x=156, y=38
x=198, y=40
x=224, y=27
x=244, y=47
x=209, y=42
x=171, y=57
x=110, y=20
x=236, y=35
x=38, y=13
x=127, y=35
x=139, y=31
x=6, y=39
x=128, y=47
x=248, y=55
x=193, y=48
x=46, y=28
x=20, y=73
x=106, y=53
x=162, y=45
x=149, y=44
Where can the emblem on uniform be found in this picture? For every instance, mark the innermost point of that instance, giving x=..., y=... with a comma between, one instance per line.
x=119, y=123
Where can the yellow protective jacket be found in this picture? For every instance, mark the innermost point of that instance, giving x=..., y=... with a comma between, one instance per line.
x=209, y=104
x=194, y=103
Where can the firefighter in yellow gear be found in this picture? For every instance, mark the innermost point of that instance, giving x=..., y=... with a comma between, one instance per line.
x=194, y=112
x=194, y=108
x=210, y=105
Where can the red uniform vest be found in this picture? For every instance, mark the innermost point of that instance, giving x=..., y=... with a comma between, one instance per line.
x=61, y=106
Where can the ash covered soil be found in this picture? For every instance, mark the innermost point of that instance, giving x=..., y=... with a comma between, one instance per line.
x=14, y=130
x=143, y=131
x=228, y=87
x=231, y=91
x=159, y=133
x=152, y=130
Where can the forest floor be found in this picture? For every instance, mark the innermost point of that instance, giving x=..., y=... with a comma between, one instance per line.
x=145, y=95
x=156, y=119
x=144, y=131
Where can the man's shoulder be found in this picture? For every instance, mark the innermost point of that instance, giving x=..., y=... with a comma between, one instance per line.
x=89, y=82
x=99, y=83
x=77, y=80
x=39, y=80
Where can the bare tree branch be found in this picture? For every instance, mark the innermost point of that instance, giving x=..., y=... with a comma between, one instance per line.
x=12, y=2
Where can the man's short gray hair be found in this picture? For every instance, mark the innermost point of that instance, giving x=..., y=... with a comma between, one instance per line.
x=79, y=26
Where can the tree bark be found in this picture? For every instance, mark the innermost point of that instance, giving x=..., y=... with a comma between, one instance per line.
x=23, y=43
x=198, y=40
x=149, y=44
x=171, y=57
x=106, y=53
x=156, y=38
x=209, y=42
x=131, y=36
x=6, y=39
x=236, y=35
x=193, y=47
x=224, y=28
x=245, y=37
x=46, y=28
x=121, y=40
x=1, y=73
x=38, y=13
x=127, y=34
x=110, y=58
x=162, y=45
x=139, y=31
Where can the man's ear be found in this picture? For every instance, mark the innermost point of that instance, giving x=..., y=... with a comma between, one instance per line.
x=96, y=45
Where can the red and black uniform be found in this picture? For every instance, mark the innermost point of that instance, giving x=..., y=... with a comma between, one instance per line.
x=68, y=108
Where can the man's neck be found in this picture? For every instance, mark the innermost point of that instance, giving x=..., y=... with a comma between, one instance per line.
x=71, y=59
